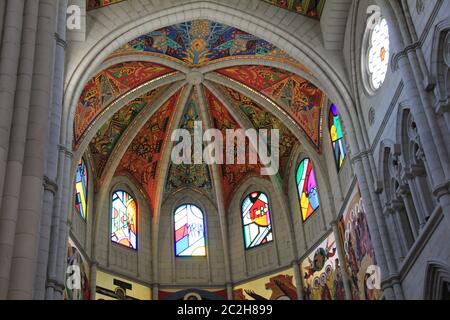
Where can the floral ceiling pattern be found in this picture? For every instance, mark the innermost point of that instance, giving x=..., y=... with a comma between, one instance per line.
x=193, y=44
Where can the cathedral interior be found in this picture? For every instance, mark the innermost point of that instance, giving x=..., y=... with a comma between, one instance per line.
x=93, y=206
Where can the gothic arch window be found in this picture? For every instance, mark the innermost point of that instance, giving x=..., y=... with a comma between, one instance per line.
x=189, y=231
x=307, y=189
x=399, y=204
x=416, y=166
x=124, y=214
x=81, y=189
x=256, y=220
x=376, y=51
x=337, y=136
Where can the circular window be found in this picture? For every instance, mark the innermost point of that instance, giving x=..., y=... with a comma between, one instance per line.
x=375, y=60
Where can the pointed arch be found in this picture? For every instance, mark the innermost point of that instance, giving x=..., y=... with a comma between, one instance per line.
x=437, y=281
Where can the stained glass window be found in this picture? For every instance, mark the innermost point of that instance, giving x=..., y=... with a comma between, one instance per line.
x=378, y=52
x=81, y=187
x=124, y=219
x=307, y=189
x=189, y=231
x=337, y=138
x=256, y=220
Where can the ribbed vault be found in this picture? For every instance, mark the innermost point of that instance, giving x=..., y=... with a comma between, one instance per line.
x=198, y=70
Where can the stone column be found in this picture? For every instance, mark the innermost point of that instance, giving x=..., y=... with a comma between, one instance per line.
x=379, y=237
x=51, y=170
x=66, y=208
x=416, y=202
x=27, y=232
x=410, y=211
x=230, y=291
x=62, y=180
x=9, y=63
x=394, y=236
x=93, y=280
x=11, y=195
x=298, y=280
x=155, y=291
x=340, y=252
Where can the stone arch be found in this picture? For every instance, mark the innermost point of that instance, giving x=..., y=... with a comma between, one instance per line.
x=134, y=264
x=437, y=275
x=440, y=63
x=309, y=231
x=170, y=269
x=247, y=263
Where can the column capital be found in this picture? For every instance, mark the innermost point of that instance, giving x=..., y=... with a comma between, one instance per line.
x=66, y=150
x=55, y=284
x=60, y=41
x=50, y=185
x=441, y=190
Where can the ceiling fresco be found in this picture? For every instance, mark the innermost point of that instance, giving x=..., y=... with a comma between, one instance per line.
x=232, y=174
x=262, y=119
x=108, y=85
x=199, y=42
x=109, y=134
x=195, y=176
x=141, y=160
x=303, y=101
x=96, y=4
x=194, y=44
x=309, y=8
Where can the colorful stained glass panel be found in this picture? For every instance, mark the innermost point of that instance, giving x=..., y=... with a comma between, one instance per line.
x=189, y=232
x=336, y=135
x=256, y=220
x=81, y=187
x=124, y=219
x=307, y=189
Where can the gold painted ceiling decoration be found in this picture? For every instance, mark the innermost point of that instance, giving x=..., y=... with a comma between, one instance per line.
x=96, y=4
x=309, y=8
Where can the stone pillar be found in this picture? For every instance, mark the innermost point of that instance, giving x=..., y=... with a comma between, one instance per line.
x=394, y=236
x=229, y=291
x=9, y=63
x=11, y=195
x=93, y=280
x=63, y=179
x=379, y=237
x=343, y=262
x=66, y=208
x=27, y=232
x=410, y=211
x=416, y=202
x=51, y=170
x=298, y=280
x=155, y=291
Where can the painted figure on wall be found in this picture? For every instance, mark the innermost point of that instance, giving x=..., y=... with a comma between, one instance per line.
x=77, y=276
x=322, y=278
x=277, y=287
x=359, y=252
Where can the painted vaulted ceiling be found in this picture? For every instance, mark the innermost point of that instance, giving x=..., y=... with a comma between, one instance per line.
x=309, y=8
x=134, y=139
